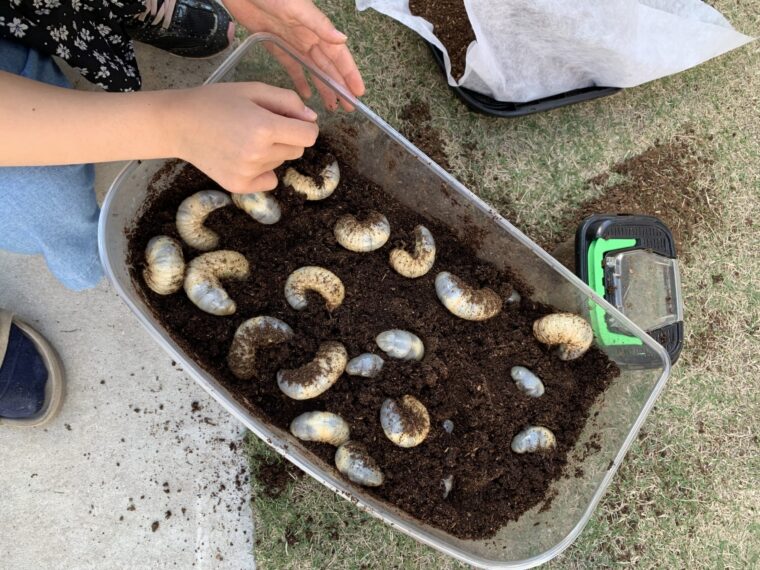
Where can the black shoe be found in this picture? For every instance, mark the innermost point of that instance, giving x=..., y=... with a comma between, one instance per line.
x=187, y=28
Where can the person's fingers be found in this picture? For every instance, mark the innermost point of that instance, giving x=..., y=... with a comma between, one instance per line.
x=292, y=132
x=324, y=63
x=263, y=182
x=293, y=68
x=283, y=102
x=311, y=17
x=326, y=93
x=272, y=165
x=277, y=154
x=344, y=62
x=328, y=96
x=286, y=151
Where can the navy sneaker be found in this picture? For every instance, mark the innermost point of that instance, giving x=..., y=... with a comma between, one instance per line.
x=31, y=375
x=187, y=28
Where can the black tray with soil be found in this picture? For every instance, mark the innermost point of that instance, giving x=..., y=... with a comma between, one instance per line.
x=464, y=376
x=452, y=26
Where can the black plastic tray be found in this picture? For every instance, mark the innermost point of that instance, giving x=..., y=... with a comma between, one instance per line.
x=652, y=234
x=489, y=106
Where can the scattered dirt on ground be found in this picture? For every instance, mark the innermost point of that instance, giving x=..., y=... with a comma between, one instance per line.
x=451, y=25
x=661, y=182
x=705, y=344
x=464, y=376
x=275, y=474
x=418, y=128
x=290, y=537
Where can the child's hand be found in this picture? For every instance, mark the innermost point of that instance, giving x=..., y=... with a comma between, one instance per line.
x=308, y=30
x=237, y=133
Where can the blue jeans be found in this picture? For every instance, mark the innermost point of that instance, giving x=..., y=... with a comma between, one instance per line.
x=49, y=210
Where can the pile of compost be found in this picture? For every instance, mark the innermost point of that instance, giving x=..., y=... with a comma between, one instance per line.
x=451, y=25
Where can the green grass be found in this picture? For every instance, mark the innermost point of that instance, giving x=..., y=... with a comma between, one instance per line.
x=687, y=495
x=309, y=526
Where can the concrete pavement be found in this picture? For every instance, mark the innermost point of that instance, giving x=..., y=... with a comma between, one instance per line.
x=141, y=469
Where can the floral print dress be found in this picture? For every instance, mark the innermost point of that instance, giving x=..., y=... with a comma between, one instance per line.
x=87, y=34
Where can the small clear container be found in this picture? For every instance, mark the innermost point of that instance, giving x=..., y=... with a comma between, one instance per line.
x=389, y=160
x=647, y=288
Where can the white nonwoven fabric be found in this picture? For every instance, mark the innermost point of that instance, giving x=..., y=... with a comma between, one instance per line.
x=529, y=49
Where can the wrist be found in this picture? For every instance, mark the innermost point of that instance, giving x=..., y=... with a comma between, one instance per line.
x=169, y=116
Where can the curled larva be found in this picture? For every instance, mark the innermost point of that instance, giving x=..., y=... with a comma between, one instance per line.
x=261, y=206
x=421, y=261
x=448, y=485
x=571, y=332
x=401, y=344
x=255, y=333
x=203, y=280
x=405, y=421
x=366, y=365
x=191, y=214
x=532, y=439
x=317, y=376
x=354, y=461
x=363, y=235
x=307, y=186
x=322, y=427
x=317, y=279
x=527, y=382
x=464, y=301
x=164, y=265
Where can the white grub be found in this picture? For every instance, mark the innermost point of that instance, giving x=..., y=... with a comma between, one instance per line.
x=307, y=186
x=421, y=261
x=401, y=344
x=317, y=376
x=405, y=421
x=527, y=382
x=448, y=426
x=354, y=461
x=571, y=332
x=367, y=234
x=261, y=206
x=191, y=214
x=465, y=301
x=322, y=427
x=367, y=365
x=514, y=298
x=448, y=485
x=255, y=333
x=317, y=279
x=164, y=265
x=203, y=280
x=532, y=439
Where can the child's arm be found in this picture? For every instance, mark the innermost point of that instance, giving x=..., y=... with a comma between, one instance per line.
x=236, y=133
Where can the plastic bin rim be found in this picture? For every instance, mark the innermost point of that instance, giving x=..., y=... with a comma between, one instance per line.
x=240, y=413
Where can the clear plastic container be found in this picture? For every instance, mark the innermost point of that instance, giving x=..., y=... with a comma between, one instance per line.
x=391, y=161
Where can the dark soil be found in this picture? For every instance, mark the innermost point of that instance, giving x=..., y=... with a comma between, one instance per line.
x=418, y=128
x=275, y=475
x=451, y=25
x=662, y=182
x=464, y=376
